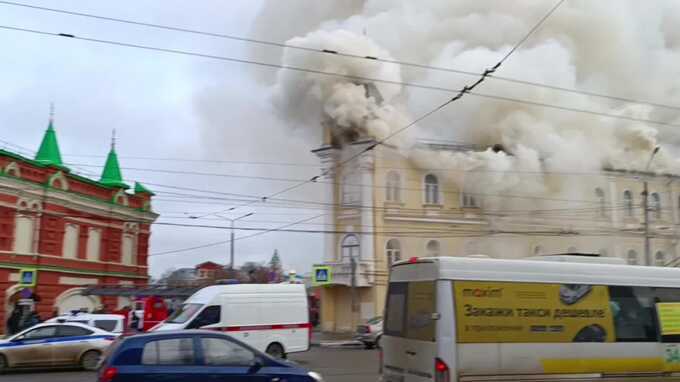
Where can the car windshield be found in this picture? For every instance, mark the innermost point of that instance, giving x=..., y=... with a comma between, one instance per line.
x=184, y=313
x=374, y=320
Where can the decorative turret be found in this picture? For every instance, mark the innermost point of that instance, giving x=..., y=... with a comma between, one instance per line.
x=48, y=153
x=111, y=176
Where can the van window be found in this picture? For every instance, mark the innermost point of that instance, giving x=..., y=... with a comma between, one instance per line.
x=176, y=351
x=410, y=306
x=209, y=316
x=184, y=313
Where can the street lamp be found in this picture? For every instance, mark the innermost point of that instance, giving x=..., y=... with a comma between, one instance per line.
x=231, y=236
x=645, y=204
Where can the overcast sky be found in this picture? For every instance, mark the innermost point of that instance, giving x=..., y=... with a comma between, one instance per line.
x=162, y=106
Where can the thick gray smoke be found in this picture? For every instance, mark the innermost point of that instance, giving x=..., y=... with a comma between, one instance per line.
x=624, y=48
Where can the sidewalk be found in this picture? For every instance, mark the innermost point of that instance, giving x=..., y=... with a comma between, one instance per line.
x=319, y=338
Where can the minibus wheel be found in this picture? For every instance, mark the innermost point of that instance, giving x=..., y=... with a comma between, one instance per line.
x=276, y=350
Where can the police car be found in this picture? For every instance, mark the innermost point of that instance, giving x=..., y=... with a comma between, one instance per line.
x=55, y=345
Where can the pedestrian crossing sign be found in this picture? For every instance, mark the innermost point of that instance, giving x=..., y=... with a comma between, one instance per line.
x=322, y=275
x=27, y=277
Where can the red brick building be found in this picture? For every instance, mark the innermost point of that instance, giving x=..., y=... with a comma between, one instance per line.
x=67, y=231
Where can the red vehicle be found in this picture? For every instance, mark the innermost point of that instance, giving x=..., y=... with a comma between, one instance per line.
x=148, y=312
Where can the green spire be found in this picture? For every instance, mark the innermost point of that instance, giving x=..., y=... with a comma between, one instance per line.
x=111, y=175
x=48, y=153
x=140, y=189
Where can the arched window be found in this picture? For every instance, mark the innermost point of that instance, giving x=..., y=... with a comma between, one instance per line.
x=628, y=203
x=632, y=257
x=24, y=229
x=601, y=202
x=431, y=189
x=655, y=205
x=392, y=251
x=350, y=247
x=432, y=248
x=660, y=259
x=71, y=238
x=393, y=189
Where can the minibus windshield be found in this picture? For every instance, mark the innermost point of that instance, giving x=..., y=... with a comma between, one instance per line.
x=184, y=313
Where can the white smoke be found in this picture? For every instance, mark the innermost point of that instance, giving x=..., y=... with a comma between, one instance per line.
x=623, y=48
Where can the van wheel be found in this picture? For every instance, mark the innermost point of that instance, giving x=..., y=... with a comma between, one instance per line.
x=276, y=350
x=3, y=364
x=90, y=360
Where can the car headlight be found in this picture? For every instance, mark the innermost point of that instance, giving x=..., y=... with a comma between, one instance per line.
x=315, y=376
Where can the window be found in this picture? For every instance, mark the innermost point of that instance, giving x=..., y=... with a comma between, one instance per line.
x=659, y=259
x=655, y=205
x=94, y=239
x=70, y=246
x=410, y=307
x=43, y=332
x=23, y=234
x=176, y=351
x=633, y=312
x=351, y=192
x=129, y=249
x=393, y=189
x=632, y=257
x=432, y=248
x=209, y=316
x=350, y=247
x=431, y=189
x=222, y=352
x=72, y=331
x=108, y=325
x=628, y=203
x=469, y=201
x=392, y=251
x=601, y=202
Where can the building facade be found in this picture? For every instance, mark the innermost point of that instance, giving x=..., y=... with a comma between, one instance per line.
x=387, y=208
x=66, y=231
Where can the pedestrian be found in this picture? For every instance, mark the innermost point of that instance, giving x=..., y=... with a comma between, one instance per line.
x=13, y=320
x=35, y=319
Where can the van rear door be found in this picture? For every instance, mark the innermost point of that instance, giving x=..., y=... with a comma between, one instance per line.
x=409, y=346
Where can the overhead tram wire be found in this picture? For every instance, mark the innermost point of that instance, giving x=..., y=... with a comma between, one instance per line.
x=333, y=74
x=344, y=54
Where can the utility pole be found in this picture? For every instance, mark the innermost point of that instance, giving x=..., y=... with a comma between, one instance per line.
x=645, y=206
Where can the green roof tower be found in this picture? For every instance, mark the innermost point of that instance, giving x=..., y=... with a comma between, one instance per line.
x=48, y=153
x=111, y=176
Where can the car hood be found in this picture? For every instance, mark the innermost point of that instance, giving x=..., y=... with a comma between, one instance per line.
x=4, y=342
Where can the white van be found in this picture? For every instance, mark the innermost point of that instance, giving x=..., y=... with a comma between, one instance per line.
x=469, y=319
x=273, y=318
x=114, y=323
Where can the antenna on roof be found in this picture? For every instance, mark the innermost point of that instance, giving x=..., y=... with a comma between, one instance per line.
x=113, y=139
x=51, y=111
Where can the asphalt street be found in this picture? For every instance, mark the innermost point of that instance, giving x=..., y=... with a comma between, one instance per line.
x=336, y=364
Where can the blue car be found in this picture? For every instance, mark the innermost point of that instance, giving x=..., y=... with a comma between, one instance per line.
x=194, y=355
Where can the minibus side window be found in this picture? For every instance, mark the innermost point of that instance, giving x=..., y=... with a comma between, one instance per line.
x=634, y=313
x=395, y=317
x=665, y=295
